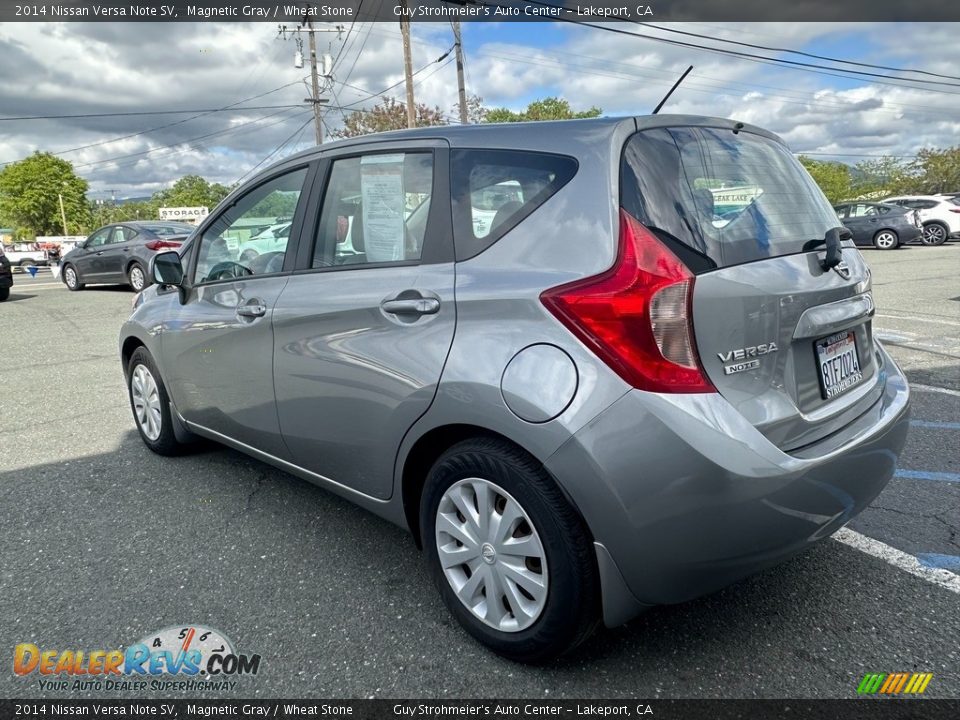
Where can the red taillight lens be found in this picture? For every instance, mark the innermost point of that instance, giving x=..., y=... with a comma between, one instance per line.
x=163, y=244
x=636, y=316
x=956, y=210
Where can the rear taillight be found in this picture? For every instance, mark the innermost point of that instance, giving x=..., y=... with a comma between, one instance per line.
x=163, y=244
x=637, y=316
x=956, y=210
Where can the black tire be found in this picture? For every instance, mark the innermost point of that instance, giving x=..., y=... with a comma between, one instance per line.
x=166, y=443
x=77, y=285
x=4, y=293
x=132, y=274
x=935, y=233
x=572, y=608
x=886, y=240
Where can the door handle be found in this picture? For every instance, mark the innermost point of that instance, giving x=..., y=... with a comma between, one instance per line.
x=252, y=309
x=99, y=253
x=411, y=306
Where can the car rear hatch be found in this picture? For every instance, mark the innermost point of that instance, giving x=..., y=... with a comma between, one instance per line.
x=786, y=340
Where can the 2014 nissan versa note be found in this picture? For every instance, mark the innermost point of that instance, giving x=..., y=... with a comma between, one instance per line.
x=593, y=366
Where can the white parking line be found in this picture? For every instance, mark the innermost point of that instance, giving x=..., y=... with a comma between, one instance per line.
x=899, y=559
x=918, y=319
x=934, y=389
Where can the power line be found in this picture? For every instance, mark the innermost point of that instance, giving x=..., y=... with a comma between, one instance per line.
x=205, y=111
x=183, y=142
x=790, y=64
x=275, y=151
x=814, y=56
x=161, y=127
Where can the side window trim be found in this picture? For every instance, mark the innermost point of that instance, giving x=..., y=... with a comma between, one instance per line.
x=214, y=218
x=438, y=235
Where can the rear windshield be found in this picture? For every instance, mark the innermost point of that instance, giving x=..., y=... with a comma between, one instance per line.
x=722, y=198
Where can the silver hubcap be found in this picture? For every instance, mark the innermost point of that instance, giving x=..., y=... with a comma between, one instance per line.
x=71, y=277
x=136, y=278
x=491, y=554
x=146, y=401
x=886, y=240
x=933, y=233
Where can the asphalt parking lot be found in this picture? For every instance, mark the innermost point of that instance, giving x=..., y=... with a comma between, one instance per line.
x=102, y=542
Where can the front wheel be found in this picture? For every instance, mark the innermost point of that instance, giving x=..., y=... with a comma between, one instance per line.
x=886, y=240
x=71, y=279
x=511, y=558
x=151, y=404
x=137, y=277
x=935, y=233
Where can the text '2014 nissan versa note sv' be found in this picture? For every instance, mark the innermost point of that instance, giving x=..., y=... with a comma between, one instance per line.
x=593, y=366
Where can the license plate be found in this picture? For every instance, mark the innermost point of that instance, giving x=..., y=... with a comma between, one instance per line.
x=838, y=364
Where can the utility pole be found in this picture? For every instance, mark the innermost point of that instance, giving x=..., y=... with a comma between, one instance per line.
x=63, y=215
x=315, y=80
x=458, y=43
x=315, y=100
x=407, y=65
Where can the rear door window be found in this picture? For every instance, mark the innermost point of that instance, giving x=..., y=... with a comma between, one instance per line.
x=721, y=198
x=494, y=190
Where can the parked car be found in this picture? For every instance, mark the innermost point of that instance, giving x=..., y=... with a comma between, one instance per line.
x=6, y=276
x=879, y=225
x=120, y=253
x=604, y=401
x=272, y=239
x=940, y=217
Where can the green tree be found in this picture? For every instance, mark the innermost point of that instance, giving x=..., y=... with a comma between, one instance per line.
x=832, y=177
x=551, y=108
x=936, y=171
x=191, y=191
x=880, y=178
x=29, y=196
x=388, y=114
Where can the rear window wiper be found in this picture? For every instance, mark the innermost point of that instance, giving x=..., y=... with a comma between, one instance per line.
x=832, y=239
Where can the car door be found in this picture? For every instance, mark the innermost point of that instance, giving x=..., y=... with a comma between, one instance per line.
x=218, y=346
x=114, y=254
x=861, y=222
x=363, y=328
x=87, y=260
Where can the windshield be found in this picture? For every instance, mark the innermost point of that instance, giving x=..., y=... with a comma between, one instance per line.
x=730, y=198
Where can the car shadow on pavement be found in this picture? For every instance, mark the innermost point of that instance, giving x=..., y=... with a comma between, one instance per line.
x=14, y=297
x=331, y=594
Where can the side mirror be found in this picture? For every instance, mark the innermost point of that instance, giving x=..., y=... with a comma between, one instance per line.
x=167, y=269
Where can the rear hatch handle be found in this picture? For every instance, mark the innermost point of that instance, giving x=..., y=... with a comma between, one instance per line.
x=832, y=239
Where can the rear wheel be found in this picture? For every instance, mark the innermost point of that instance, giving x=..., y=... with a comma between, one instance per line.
x=27, y=262
x=886, y=240
x=137, y=277
x=4, y=293
x=935, y=233
x=71, y=279
x=511, y=558
x=151, y=404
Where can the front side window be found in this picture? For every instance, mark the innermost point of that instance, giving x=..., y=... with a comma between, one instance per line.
x=99, y=238
x=240, y=242
x=729, y=198
x=375, y=210
x=494, y=190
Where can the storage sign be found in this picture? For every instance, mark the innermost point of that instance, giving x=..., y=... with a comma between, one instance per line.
x=184, y=213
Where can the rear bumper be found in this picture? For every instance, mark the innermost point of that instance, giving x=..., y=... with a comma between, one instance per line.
x=684, y=496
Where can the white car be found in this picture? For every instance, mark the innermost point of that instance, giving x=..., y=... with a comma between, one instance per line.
x=939, y=215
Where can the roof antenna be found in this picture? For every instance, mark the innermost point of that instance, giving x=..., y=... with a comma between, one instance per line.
x=675, y=86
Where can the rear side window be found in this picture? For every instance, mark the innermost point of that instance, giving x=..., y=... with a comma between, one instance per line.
x=720, y=198
x=494, y=190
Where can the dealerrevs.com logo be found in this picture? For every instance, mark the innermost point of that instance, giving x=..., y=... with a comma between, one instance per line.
x=188, y=657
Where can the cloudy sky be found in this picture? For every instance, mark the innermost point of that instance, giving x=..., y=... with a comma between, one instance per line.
x=75, y=69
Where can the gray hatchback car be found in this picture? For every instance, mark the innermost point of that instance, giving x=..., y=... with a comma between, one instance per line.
x=593, y=366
